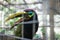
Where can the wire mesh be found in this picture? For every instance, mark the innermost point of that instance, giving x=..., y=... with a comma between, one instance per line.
x=9, y=37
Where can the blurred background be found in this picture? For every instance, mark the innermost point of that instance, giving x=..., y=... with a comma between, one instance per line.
x=48, y=12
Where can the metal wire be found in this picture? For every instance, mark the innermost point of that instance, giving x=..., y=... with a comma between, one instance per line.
x=34, y=21
x=33, y=26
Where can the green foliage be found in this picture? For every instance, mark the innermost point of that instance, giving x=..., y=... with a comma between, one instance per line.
x=0, y=29
x=12, y=21
x=18, y=31
x=43, y=30
x=57, y=36
x=36, y=36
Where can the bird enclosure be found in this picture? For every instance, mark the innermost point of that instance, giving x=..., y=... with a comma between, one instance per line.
x=30, y=20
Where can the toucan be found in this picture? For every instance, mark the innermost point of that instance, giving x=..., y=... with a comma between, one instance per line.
x=28, y=19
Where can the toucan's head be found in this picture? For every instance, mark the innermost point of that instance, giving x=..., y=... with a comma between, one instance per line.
x=28, y=13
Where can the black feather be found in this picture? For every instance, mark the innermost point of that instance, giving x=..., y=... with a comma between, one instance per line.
x=28, y=28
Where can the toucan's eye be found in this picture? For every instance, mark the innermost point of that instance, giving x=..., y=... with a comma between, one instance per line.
x=30, y=13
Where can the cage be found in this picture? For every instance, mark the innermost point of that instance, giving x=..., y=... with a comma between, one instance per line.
x=9, y=7
x=45, y=27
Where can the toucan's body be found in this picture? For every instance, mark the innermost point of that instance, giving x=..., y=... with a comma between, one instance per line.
x=30, y=23
x=28, y=28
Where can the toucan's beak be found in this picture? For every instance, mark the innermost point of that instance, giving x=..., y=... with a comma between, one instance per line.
x=14, y=15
